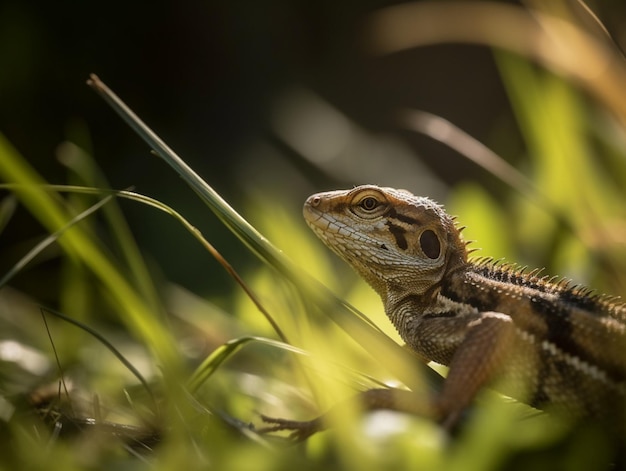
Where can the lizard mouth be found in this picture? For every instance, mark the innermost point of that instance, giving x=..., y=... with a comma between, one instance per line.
x=310, y=212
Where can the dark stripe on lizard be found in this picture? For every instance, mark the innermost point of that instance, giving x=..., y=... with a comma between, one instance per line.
x=392, y=213
x=557, y=319
x=398, y=234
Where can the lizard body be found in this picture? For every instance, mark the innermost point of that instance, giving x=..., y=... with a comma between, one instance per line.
x=544, y=342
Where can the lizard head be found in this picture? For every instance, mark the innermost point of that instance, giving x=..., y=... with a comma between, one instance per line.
x=395, y=240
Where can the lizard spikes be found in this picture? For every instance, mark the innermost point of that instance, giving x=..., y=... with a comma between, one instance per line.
x=547, y=341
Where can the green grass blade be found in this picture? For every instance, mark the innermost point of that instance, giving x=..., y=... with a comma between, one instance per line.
x=48, y=208
x=154, y=204
x=224, y=352
x=7, y=208
x=236, y=223
x=393, y=356
x=94, y=333
x=22, y=262
x=88, y=174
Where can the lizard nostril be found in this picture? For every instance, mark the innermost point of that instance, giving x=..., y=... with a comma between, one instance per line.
x=315, y=201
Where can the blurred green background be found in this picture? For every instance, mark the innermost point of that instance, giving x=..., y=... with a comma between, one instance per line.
x=221, y=81
x=269, y=102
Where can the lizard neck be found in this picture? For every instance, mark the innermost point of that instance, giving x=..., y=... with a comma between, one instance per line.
x=406, y=306
x=410, y=289
x=423, y=319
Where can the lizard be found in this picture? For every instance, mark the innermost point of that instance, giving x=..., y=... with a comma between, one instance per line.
x=541, y=340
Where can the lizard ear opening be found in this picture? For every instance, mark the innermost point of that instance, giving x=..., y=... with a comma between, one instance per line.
x=430, y=245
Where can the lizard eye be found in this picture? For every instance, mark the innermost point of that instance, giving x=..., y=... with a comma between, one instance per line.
x=369, y=204
x=430, y=245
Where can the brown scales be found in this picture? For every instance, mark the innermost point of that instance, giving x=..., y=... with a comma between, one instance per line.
x=542, y=340
x=580, y=295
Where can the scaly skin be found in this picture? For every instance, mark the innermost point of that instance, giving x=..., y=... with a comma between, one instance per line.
x=543, y=342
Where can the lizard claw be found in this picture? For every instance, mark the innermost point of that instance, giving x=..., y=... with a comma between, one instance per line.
x=300, y=430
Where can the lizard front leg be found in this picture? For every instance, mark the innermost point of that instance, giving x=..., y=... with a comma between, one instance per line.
x=476, y=362
x=477, y=359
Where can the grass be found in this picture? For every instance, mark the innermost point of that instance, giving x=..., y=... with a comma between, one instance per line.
x=289, y=347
